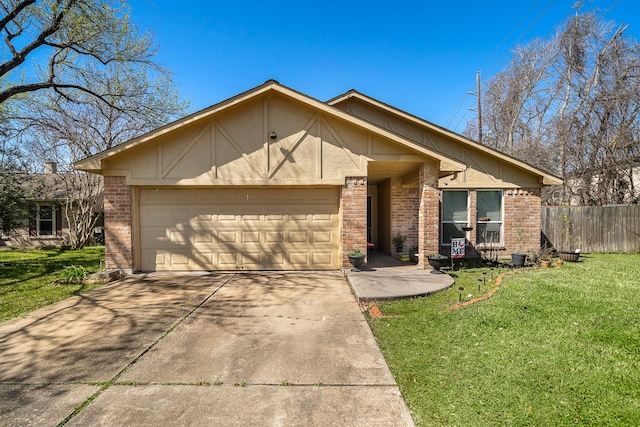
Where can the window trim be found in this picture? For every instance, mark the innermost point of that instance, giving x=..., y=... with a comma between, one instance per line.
x=54, y=233
x=501, y=222
x=442, y=221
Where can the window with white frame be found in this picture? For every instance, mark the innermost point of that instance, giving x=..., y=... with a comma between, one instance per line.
x=46, y=220
x=489, y=217
x=455, y=214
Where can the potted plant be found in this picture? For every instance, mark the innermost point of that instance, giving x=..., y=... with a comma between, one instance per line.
x=437, y=261
x=356, y=258
x=518, y=258
x=542, y=257
x=571, y=242
x=545, y=258
x=399, y=240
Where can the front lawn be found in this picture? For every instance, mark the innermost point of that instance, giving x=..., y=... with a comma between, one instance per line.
x=26, y=277
x=553, y=347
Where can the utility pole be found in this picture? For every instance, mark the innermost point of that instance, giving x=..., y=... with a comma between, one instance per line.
x=479, y=108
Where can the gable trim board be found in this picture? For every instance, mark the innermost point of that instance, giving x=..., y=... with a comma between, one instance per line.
x=273, y=179
x=547, y=178
x=96, y=163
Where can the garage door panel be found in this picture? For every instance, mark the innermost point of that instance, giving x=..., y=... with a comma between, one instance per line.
x=299, y=258
x=250, y=236
x=322, y=237
x=251, y=229
x=298, y=236
x=227, y=260
x=203, y=236
x=227, y=236
x=323, y=258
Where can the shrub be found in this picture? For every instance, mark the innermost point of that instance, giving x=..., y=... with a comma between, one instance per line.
x=73, y=273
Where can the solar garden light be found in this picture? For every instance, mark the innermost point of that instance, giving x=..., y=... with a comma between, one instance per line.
x=460, y=289
x=484, y=278
x=479, y=283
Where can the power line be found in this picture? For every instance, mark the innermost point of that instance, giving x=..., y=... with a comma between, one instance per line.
x=535, y=21
x=541, y=39
x=470, y=86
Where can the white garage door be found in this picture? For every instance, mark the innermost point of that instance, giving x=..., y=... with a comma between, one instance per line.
x=246, y=229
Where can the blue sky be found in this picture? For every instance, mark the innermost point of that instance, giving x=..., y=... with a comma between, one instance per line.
x=419, y=56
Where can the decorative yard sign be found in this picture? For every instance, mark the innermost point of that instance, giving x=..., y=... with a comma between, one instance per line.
x=457, y=248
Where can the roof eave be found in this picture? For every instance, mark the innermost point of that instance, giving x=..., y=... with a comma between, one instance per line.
x=547, y=178
x=94, y=163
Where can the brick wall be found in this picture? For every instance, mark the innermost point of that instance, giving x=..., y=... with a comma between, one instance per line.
x=118, y=221
x=354, y=217
x=522, y=212
x=429, y=213
x=405, y=204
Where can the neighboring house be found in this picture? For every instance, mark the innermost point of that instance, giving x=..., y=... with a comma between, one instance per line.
x=45, y=223
x=621, y=188
x=273, y=179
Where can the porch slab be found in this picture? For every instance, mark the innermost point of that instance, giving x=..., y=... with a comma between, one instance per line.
x=388, y=279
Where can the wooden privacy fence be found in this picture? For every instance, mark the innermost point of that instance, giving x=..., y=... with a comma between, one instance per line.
x=596, y=228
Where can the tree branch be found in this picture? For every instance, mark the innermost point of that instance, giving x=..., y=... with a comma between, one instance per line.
x=11, y=15
x=41, y=40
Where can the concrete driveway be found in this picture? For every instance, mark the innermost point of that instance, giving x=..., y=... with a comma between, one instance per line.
x=288, y=349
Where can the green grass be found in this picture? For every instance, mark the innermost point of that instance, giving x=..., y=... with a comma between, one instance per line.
x=26, y=277
x=553, y=347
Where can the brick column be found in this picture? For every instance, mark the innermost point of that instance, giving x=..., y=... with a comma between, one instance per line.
x=354, y=217
x=522, y=212
x=118, y=223
x=405, y=204
x=429, y=213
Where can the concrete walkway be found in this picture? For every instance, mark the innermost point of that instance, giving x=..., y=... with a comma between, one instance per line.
x=386, y=278
x=210, y=349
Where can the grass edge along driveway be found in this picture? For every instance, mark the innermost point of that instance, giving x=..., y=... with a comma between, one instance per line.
x=27, y=276
x=558, y=346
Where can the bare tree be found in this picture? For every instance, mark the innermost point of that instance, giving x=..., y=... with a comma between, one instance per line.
x=78, y=77
x=574, y=98
x=65, y=131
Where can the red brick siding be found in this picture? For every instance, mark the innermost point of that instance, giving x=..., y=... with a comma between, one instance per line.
x=118, y=221
x=429, y=213
x=354, y=216
x=522, y=212
x=405, y=205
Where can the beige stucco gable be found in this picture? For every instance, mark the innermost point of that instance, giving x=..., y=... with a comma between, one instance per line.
x=269, y=136
x=487, y=168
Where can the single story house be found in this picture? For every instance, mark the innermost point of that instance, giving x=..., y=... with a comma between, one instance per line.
x=273, y=179
x=45, y=222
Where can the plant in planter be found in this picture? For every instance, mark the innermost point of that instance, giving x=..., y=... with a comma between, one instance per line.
x=399, y=240
x=542, y=257
x=437, y=261
x=356, y=258
x=518, y=258
x=545, y=259
x=570, y=243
